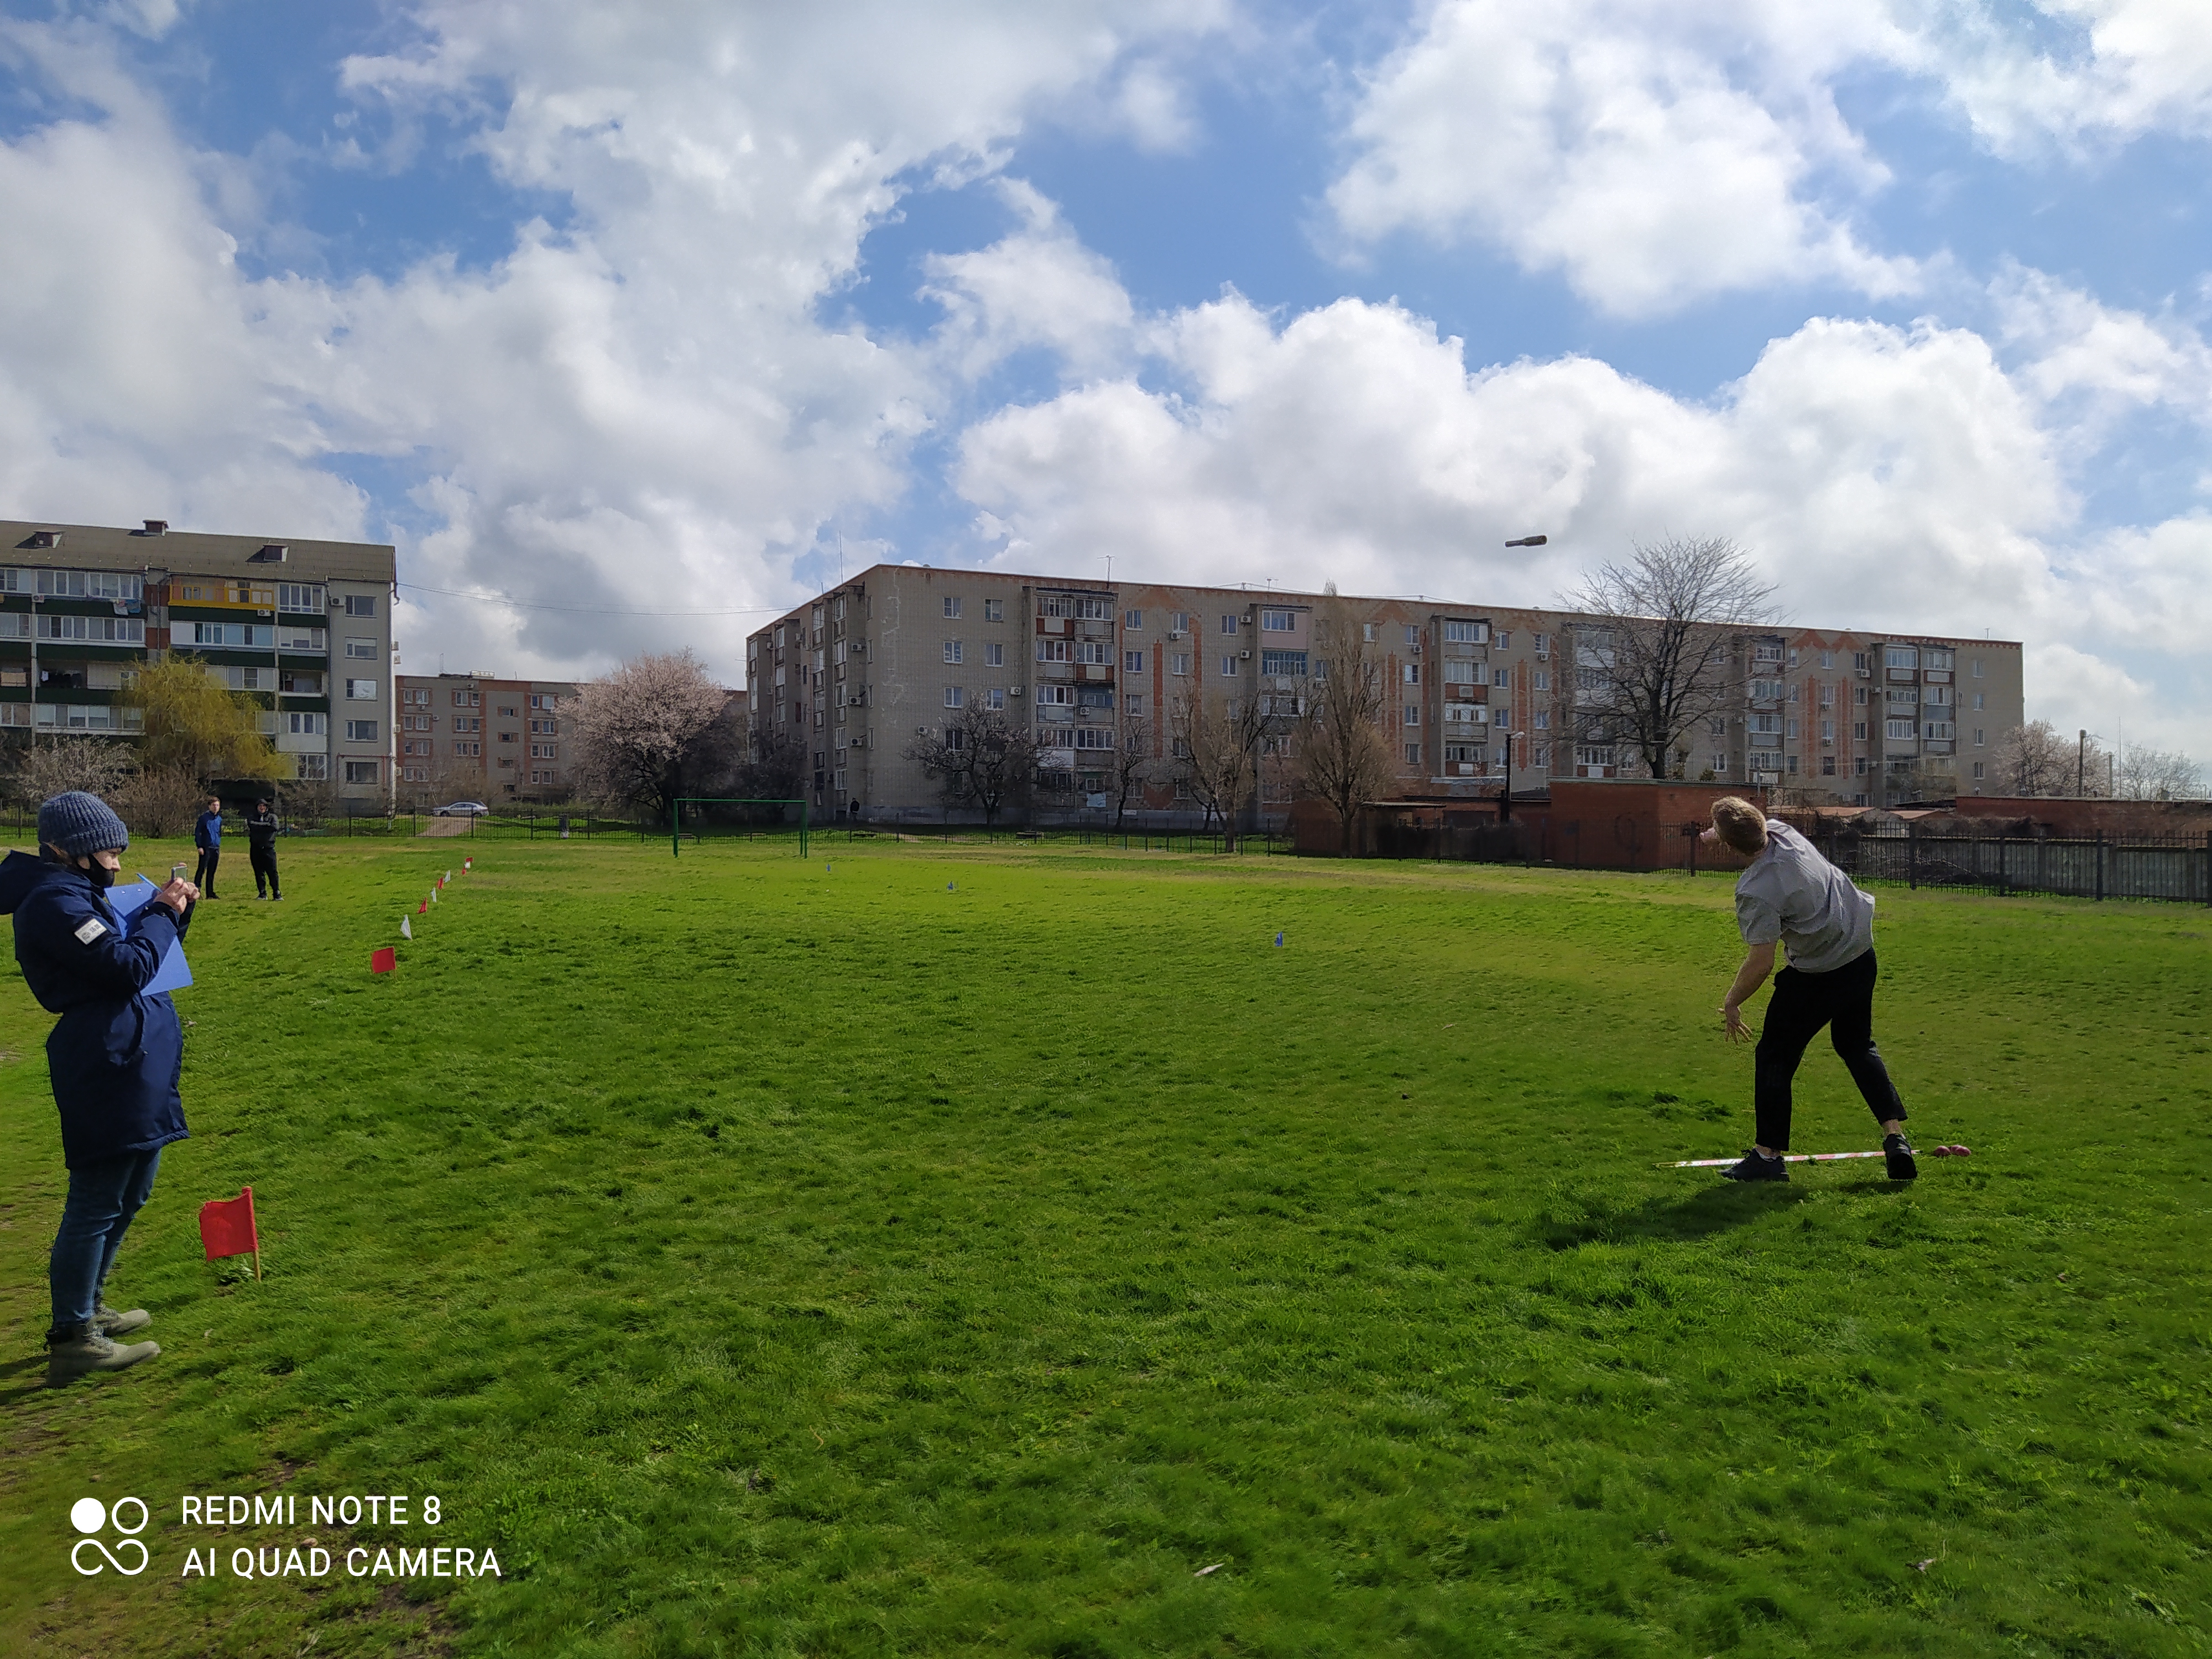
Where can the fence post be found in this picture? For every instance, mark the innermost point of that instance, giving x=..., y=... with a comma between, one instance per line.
x=2208, y=866
x=2004, y=875
x=2100, y=865
x=1912, y=856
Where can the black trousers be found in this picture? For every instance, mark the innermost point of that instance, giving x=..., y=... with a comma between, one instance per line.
x=203, y=878
x=1842, y=1000
x=263, y=860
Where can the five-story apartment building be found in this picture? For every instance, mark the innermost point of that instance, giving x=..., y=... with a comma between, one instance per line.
x=1473, y=695
x=302, y=629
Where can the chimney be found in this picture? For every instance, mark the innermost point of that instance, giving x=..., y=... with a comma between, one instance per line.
x=156, y=528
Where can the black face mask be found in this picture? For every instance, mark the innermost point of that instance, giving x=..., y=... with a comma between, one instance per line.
x=102, y=877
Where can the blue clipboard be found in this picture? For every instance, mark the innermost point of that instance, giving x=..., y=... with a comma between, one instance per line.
x=174, y=973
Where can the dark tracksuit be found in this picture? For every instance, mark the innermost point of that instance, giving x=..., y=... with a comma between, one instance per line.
x=113, y=1057
x=261, y=852
x=207, y=835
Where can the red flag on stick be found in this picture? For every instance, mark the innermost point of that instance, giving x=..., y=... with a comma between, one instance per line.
x=385, y=961
x=227, y=1228
x=422, y=908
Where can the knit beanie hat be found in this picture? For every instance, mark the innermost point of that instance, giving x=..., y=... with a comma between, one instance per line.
x=81, y=824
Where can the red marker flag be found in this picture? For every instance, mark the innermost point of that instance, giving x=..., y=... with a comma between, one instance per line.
x=227, y=1228
x=468, y=863
x=385, y=961
x=422, y=908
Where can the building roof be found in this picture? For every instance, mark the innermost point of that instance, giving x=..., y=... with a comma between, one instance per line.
x=102, y=547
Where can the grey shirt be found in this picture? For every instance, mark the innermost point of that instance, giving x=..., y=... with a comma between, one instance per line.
x=1792, y=894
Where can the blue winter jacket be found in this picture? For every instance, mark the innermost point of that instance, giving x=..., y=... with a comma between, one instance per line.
x=207, y=830
x=115, y=1053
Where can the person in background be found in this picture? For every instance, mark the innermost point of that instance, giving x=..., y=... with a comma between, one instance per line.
x=207, y=835
x=114, y=1059
x=261, y=851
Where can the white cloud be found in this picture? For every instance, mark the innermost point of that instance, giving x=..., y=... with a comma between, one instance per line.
x=1615, y=141
x=1038, y=287
x=1656, y=154
x=1887, y=478
x=641, y=411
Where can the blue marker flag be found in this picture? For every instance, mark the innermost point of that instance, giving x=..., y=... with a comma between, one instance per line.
x=1279, y=941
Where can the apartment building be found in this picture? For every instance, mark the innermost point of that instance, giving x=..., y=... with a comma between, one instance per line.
x=302, y=628
x=1474, y=695
x=472, y=737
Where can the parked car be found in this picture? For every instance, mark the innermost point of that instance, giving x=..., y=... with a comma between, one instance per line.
x=461, y=809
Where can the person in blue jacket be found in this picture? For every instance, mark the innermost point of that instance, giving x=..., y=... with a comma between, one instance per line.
x=113, y=1057
x=207, y=835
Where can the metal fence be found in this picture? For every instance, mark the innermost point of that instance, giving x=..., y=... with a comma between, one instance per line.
x=2146, y=866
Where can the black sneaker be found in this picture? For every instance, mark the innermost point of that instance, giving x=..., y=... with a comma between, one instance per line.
x=1896, y=1154
x=1757, y=1168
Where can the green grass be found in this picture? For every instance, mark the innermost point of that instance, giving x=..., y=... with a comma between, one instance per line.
x=772, y=1260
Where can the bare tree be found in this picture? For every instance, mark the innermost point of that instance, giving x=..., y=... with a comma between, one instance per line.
x=979, y=759
x=1342, y=757
x=162, y=801
x=1653, y=659
x=2038, y=759
x=97, y=765
x=2142, y=773
x=637, y=729
x=1134, y=766
x=1220, y=748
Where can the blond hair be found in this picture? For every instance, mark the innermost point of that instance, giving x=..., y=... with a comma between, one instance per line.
x=1741, y=825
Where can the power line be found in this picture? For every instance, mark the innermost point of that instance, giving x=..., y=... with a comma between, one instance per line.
x=589, y=609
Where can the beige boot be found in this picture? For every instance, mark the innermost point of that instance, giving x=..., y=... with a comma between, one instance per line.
x=67, y=1361
x=108, y=1322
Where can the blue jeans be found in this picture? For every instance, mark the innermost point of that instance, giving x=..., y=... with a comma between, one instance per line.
x=102, y=1198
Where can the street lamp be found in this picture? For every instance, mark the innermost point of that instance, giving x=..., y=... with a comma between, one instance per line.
x=1529, y=541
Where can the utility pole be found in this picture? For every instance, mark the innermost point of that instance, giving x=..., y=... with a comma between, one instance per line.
x=2081, y=764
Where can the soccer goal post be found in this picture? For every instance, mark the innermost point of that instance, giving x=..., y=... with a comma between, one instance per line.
x=676, y=816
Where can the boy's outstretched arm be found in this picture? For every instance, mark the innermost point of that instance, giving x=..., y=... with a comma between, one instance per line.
x=1757, y=964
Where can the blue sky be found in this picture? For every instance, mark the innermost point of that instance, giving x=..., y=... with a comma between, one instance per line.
x=675, y=307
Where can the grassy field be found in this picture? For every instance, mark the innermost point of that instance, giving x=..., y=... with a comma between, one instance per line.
x=957, y=1250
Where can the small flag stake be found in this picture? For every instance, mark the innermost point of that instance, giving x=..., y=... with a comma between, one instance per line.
x=385, y=961
x=422, y=908
x=406, y=931
x=449, y=876
x=434, y=895
x=468, y=863
x=227, y=1228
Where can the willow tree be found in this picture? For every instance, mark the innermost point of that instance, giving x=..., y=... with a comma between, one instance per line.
x=195, y=725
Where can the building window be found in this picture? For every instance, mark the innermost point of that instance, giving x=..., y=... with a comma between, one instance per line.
x=1413, y=673
x=469, y=750
x=360, y=604
x=361, y=731
x=994, y=654
x=1978, y=672
x=1827, y=659
x=1504, y=639
x=1541, y=719
x=995, y=698
x=1053, y=651
x=1413, y=714
x=1541, y=680
x=1594, y=754
x=995, y=610
x=1133, y=621
x=1859, y=767
x=1719, y=766
x=951, y=605
x=1179, y=663
x=1502, y=678
x=468, y=699
x=1291, y=662
x=362, y=771
x=1412, y=754
x=1367, y=632
x=1229, y=626
x=1055, y=697
x=1133, y=662
x=1228, y=668
x=1903, y=656
x=361, y=691
x=1902, y=730
x=544, y=751
x=310, y=725
x=1456, y=633
x=1978, y=772
x=1179, y=621
x=1766, y=654
x=955, y=651
x=954, y=696
x=1133, y=703
x=1279, y=621
x=1980, y=733
x=362, y=650
x=1096, y=652
x=312, y=769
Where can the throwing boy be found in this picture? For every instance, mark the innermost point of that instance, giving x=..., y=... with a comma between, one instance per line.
x=1792, y=895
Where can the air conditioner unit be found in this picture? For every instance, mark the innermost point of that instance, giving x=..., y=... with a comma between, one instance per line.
x=1245, y=656
x=1013, y=690
x=1866, y=673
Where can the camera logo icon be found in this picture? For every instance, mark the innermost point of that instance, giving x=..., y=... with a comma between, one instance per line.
x=90, y=1516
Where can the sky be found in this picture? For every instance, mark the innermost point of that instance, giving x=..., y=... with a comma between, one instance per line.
x=630, y=326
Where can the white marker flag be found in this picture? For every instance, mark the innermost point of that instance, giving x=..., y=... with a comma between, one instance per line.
x=405, y=931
